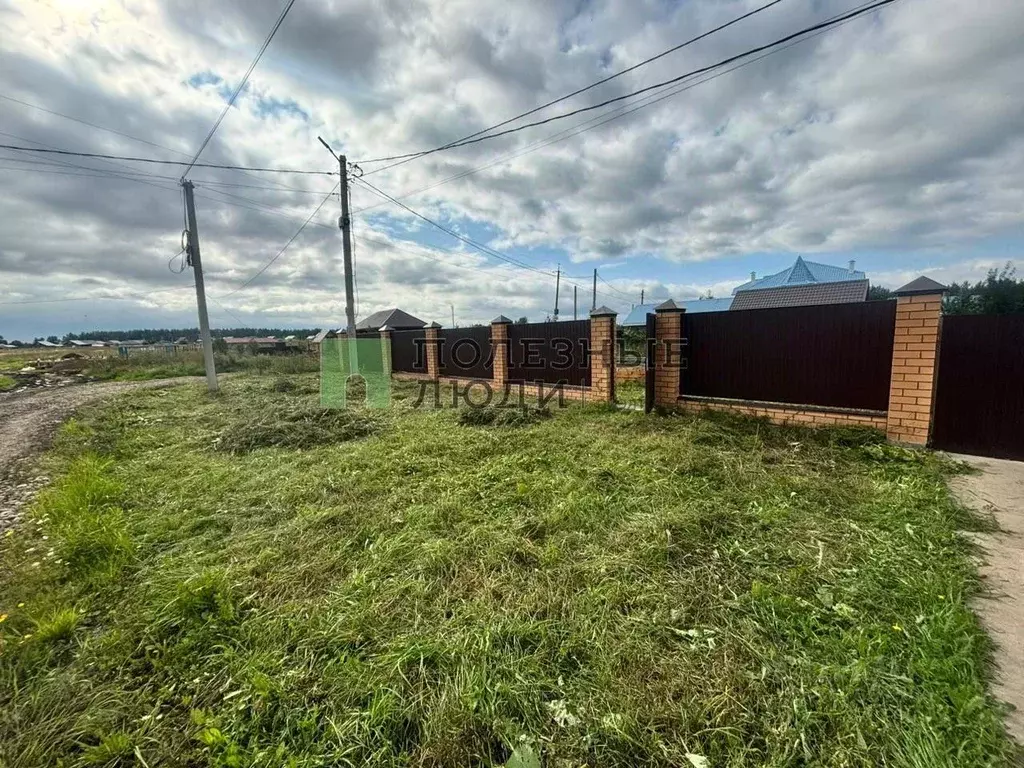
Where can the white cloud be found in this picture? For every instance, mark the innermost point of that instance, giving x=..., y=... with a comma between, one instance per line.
x=900, y=132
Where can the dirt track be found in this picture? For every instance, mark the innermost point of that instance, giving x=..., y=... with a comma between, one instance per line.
x=27, y=423
x=999, y=489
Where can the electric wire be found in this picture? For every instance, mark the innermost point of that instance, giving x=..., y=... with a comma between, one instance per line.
x=240, y=86
x=595, y=84
x=708, y=68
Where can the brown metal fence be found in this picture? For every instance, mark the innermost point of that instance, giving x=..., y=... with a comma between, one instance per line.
x=550, y=352
x=466, y=352
x=979, y=395
x=409, y=351
x=837, y=355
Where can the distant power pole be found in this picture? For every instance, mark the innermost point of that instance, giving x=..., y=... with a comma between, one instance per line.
x=345, y=225
x=593, y=304
x=197, y=268
x=558, y=279
x=574, y=302
x=641, y=295
x=453, y=315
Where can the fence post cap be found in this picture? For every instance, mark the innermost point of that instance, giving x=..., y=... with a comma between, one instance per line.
x=669, y=306
x=434, y=324
x=602, y=311
x=919, y=286
x=501, y=320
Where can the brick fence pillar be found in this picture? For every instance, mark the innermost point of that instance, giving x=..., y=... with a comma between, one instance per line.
x=499, y=343
x=385, y=349
x=915, y=355
x=668, y=353
x=602, y=355
x=433, y=351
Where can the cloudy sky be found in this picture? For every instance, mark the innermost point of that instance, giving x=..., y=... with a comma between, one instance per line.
x=896, y=140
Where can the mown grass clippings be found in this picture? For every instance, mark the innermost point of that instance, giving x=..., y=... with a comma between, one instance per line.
x=595, y=588
x=295, y=427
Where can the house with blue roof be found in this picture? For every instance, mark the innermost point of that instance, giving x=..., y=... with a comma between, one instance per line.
x=802, y=284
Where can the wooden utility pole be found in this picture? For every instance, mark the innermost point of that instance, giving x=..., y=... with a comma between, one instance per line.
x=195, y=260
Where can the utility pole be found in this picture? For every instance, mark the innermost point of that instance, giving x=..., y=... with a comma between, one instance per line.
x=574, y=302
x=453, y=315
x=594, y=304
x=197, y=268
x=345, y=225
x=558, y=279
x=641, y=295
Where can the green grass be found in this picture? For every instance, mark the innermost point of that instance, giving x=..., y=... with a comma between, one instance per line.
x=145, y=366
x=629, y=392
x=596, y=588
x=7, y=383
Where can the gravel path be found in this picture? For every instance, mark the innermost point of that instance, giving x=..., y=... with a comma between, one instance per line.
x=27, y=423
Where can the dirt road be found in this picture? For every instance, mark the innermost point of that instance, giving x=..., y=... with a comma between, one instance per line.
x=999, y=489
x=27, y=423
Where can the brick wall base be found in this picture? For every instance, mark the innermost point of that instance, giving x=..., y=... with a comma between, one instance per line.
x=782, y=413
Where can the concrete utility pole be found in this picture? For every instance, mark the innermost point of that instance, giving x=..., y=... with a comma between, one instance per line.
x=345, y=225
x=574, y=302
x=558, y=278
x=453, y=315
x=641, y=295
x=197, y=268
x=593, y=306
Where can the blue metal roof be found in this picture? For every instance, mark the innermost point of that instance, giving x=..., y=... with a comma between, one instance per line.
x=638, y=315
x=803, y=273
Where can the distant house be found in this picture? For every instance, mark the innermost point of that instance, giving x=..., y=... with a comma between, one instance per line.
x=258, y=344
x=638, y=315
x=805, y=283
x=802, y=284
x=86, y=343
x=394, y=319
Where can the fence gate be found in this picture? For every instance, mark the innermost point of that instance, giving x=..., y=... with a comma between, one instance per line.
x=652, y=351
x=979, y=397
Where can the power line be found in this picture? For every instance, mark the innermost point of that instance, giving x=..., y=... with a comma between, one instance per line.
x=607, y=117
x=806, y=30
x=241, y=85
x=468, y=241
x=280, y=253
x=673, y=49
x=169, y=162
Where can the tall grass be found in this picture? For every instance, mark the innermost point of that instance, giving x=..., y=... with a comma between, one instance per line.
x=157, y=365
x=596, y=588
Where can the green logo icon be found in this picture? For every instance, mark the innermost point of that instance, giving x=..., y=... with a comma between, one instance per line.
x=344, y=361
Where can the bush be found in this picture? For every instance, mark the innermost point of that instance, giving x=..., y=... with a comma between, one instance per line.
x=295, y=427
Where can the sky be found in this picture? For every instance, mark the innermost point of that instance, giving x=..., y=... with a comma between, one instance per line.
x=896, y=140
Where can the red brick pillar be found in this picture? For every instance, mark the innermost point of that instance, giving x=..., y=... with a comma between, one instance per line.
x=915, y=354
x=499, y=343
x=602, y=355
x=668, y=353
x=433, y=356
x=385, y=349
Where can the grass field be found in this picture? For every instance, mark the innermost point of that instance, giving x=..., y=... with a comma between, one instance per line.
x=248, y=581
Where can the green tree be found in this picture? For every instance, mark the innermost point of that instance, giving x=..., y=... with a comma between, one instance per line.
x=878, y=293
x=1001, y=292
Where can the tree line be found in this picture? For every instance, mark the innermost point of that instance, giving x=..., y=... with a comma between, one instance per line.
x=1000, y=293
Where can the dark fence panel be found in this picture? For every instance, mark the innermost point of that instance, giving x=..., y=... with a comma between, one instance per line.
x=979, y=396
x=408, y=351
x=550, y=352
x=837, y=355
x=466, y=352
